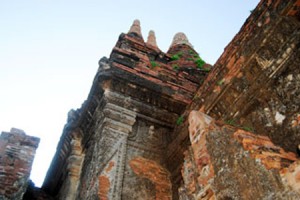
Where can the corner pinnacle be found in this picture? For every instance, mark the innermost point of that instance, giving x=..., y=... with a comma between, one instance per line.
x=136, y=28
x=180, y=38
x=151, y=39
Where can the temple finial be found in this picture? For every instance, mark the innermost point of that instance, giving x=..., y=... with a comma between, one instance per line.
x=151, y=39
x=180, y=38
x=136, y=28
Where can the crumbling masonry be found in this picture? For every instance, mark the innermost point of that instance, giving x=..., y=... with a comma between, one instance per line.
x=17, y=151
x=169, y=126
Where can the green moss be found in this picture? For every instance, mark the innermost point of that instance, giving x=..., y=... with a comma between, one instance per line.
x=154, y=64
x=191, y=52
x=175, y=57
x=176, y=67
x=199, y=62
x=180, y=120
x=220, y=82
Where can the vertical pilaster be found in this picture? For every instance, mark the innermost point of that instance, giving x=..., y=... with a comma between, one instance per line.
x=74, y=165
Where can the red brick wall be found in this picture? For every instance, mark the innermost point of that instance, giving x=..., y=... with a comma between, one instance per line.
x=17, y=152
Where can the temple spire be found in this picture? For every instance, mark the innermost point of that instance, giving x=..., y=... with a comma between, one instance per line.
x=151, y=39
x=180, y=38
x=136, y=28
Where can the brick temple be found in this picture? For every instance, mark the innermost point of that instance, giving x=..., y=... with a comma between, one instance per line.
x=166, y=125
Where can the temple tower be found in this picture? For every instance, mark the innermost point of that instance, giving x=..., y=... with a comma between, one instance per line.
x=114, y=147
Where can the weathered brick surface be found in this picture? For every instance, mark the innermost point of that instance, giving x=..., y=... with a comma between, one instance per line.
x=291, y=176
x=104, y=186
x=157, y=174
x=237, y=164
x=17, y=151
x=262, y=149
x=255, y=82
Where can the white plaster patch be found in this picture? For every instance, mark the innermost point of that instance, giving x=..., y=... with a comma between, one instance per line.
x=290, y=77
x=279, y=118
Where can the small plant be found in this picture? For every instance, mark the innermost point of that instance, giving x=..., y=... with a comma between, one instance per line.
x=180, y=120
x=190, y=59
x=176, y=67
x=175, y=57
x=191, y=52
x=248, y=128
x=194, y=54
x=154, y=64
x=196, y=97
x=220, y=82
x=231, y=122
x=199, y=62
x=201, y=81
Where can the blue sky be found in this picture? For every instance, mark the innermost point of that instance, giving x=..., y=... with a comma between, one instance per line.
x=49, y=50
